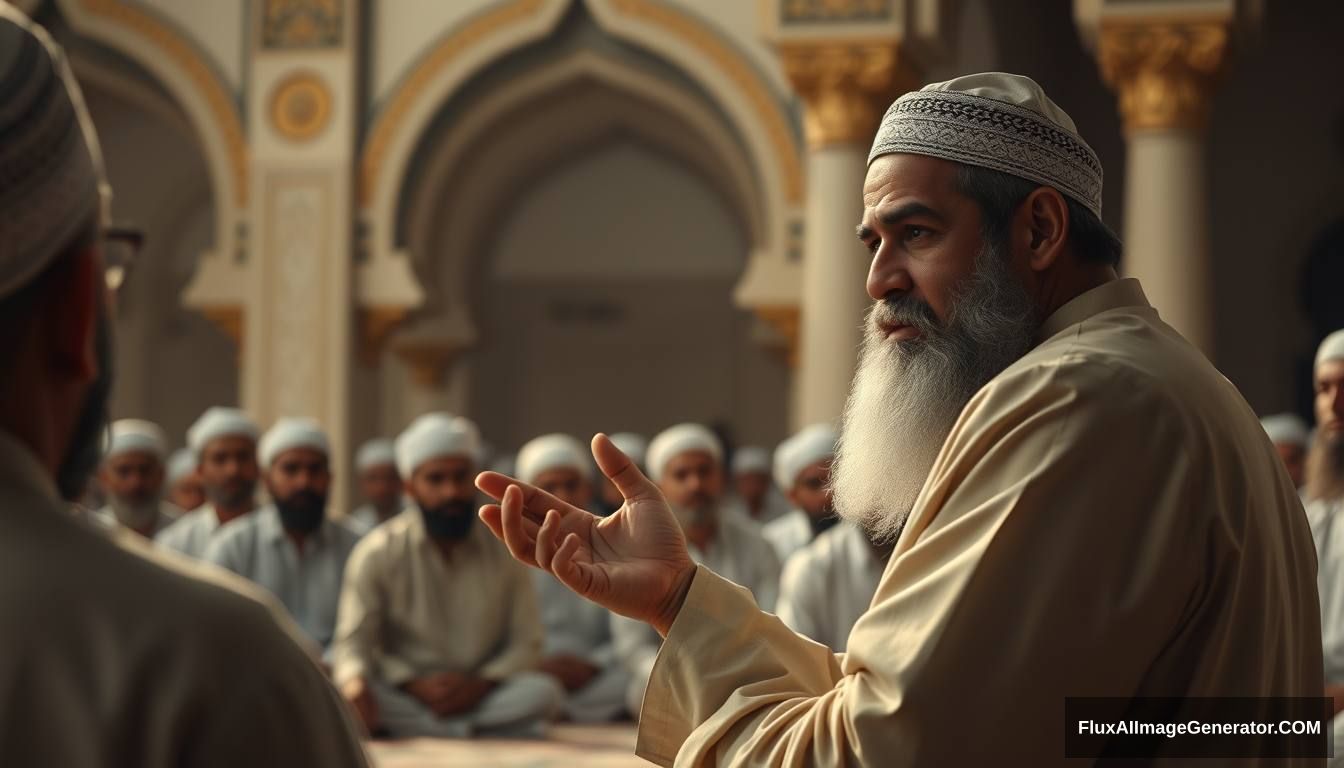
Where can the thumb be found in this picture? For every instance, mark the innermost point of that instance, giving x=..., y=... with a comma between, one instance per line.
x=622, y=472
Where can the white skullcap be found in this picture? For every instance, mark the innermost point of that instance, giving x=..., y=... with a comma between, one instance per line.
x=218, y=422
x=52, y=184
x=542, y=454
x=375, y=453
x=136, y=435
x=436, y=435
x=288, y=434
x=1331, y=349
x=632, y=445
x=1285, y=428
x=751, y=459
x=998, y=121
x=807, y=447
x=182, y=463
x=674, y=441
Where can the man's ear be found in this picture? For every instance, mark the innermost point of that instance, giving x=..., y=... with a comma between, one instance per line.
x=71, y=312
x=1047, y=220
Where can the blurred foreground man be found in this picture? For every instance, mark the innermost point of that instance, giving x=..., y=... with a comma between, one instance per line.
x=132, y=478
x=437, y=632
x=1086, y=506
x=107, y=657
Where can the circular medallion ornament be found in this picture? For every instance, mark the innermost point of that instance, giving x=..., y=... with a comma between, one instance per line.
x=300, y=107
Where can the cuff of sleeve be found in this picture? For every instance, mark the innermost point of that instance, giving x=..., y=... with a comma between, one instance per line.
x=705, y=629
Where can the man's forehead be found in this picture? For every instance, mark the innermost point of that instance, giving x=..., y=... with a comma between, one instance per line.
x=900, y=179
x=1330, y=370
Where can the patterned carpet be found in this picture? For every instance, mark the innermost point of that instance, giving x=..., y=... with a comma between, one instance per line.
x=610, y=746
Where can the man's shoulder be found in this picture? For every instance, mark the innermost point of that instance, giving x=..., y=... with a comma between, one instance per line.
x=389, y=537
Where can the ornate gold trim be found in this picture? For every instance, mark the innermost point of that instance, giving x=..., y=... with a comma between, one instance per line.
x=786, y=320
x=847, y=86
x=229, y=319
x=1163, y=70
x=300, y=106
x=375, y=324
x=427, y=359
x=408, y=92
x=222, y=107
x=758, y=96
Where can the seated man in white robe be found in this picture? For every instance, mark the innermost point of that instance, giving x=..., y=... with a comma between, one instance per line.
x=828, y=584
x=379, y=485
x=438, y=631
x=686, y=462
x=1289, y=435
x=225, y=443
x=182, y=485
x=1325, y=507
x=579, y=652
x=132, y=478
x=289, y=546
x=803, y=470
x=754, y=487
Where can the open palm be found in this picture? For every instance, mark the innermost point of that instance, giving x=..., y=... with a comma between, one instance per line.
x=633, y=562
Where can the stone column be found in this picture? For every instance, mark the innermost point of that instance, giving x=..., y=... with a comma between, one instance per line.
x=298, y=324
x=1163, y=71
x=846, y=88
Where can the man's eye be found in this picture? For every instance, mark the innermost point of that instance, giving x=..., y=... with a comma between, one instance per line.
x=914, y=233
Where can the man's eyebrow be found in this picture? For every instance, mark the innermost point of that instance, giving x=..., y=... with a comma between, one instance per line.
x=894, y=216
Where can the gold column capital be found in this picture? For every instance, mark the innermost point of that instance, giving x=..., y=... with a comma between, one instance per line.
x=1163, y=69
x=375, y=325
x=229, y=319
x=427, y=358
x=784, y=319
x=846, y=86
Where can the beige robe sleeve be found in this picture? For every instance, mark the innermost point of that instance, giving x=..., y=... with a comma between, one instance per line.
x=1022, y=577
x=521, y=647
x=357, y=640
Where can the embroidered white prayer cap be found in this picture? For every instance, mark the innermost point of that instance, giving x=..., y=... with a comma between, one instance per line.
x=548, y=452
x=805, y=448
x=1286, y=428
x=52, y=183
x=288, y=434
x=182, y=463
x=378, y=452
x=135, y=436
x=433, y=436
x=751, y=459
x=674, y=441
x=632, y=445
x=1331, y=349
x=999, y=121
x=219, y=421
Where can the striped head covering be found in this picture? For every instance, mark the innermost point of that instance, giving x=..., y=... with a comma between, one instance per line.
x=52, y=185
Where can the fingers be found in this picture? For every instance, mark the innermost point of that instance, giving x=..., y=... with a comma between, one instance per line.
x=490, y=514
x=573, y=574
x=622, y=472
x=536, y=502
x=522, y=546
x=547, y=540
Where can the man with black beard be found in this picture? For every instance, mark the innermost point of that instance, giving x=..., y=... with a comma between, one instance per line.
x=290, y=547
x=802, y=470
x=111, y=653
x=438, y=629
x=1081, y=504
x=225, y=443
x=1325, y=506
x=132, y=475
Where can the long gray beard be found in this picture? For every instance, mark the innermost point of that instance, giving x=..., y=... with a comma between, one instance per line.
x=907, y=395
x=134, y=514
x=1325, y=467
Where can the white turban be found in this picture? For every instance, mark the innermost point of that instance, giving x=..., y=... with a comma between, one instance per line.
x=182, y=463
x=1285, y=428
x=288, y=434
x=1331, y=349
x=436, y=435
x=674, y=441
x=998, y=121
x=52, y=185
x=548, y=452
x=375, y=453
x=807, y=447
x=219, y=422
x=750, y=460
x=136, y=435
x=632, y=445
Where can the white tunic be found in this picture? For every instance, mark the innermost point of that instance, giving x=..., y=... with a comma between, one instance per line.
x=788, y=534
x=307, y=583
x=828, y=584
x=1326, y=517
x=192, y=532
